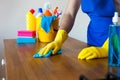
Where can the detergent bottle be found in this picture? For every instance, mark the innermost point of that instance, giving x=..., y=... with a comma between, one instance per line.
x=114, y=42
x=38, y=20
x=40, y=13
x=30, y=20
x=55, y=11
x=47, y=8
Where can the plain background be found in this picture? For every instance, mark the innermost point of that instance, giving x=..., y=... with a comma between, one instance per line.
x=13, y=12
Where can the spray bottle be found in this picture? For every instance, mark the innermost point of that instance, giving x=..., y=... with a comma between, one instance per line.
x=30, y=20
x=47, y=7
x=55, y=11
x=114, y=42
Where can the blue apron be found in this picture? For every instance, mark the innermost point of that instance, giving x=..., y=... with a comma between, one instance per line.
x=100, y=13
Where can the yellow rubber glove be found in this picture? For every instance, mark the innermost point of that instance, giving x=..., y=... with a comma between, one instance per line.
x=56, y=44
x=94, y=52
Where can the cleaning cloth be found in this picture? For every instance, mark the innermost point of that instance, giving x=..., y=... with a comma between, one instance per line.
x=37, y=55
x=46, y=22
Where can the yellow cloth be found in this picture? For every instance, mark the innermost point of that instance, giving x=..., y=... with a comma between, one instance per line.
x=56, y=44
x=94, y=52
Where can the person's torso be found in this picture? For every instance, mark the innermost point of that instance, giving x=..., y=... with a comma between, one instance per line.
x=102, y=8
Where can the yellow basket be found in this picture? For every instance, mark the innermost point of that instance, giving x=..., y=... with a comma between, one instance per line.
x=44, y=36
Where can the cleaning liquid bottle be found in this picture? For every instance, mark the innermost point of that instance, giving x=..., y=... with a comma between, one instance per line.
x=38, y=20
x=114, y=42
x=47, y=9
x=59, y=13
x=31, y=20
x=40, y=13
x=55, y=11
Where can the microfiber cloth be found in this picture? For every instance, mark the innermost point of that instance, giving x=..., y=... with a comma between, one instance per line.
x=46, y=22
x=37, y=55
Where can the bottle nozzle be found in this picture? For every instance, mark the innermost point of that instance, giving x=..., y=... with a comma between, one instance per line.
x=32, y=11
x=115, y=18
x=40, y=10
x=47, y=6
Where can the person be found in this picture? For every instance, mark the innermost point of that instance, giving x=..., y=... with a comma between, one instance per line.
x=100, y=13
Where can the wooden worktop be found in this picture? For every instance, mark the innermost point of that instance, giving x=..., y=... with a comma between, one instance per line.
x=20, y=64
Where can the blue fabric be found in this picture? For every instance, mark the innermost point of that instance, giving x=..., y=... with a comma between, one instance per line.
x=100, y=13
x=37, y=55
x=103, y=8
x=98, y=30
x=46, y=22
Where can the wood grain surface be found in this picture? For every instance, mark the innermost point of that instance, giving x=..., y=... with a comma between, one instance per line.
x=20, y=64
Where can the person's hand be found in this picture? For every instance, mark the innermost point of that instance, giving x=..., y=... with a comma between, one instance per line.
x=56, y=44
x=94, y=52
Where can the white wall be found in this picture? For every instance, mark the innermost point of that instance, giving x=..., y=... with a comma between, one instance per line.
x=12, y=18
x=79, y=30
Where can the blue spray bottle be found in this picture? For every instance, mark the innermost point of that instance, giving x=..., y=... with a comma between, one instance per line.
x=114, y=42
